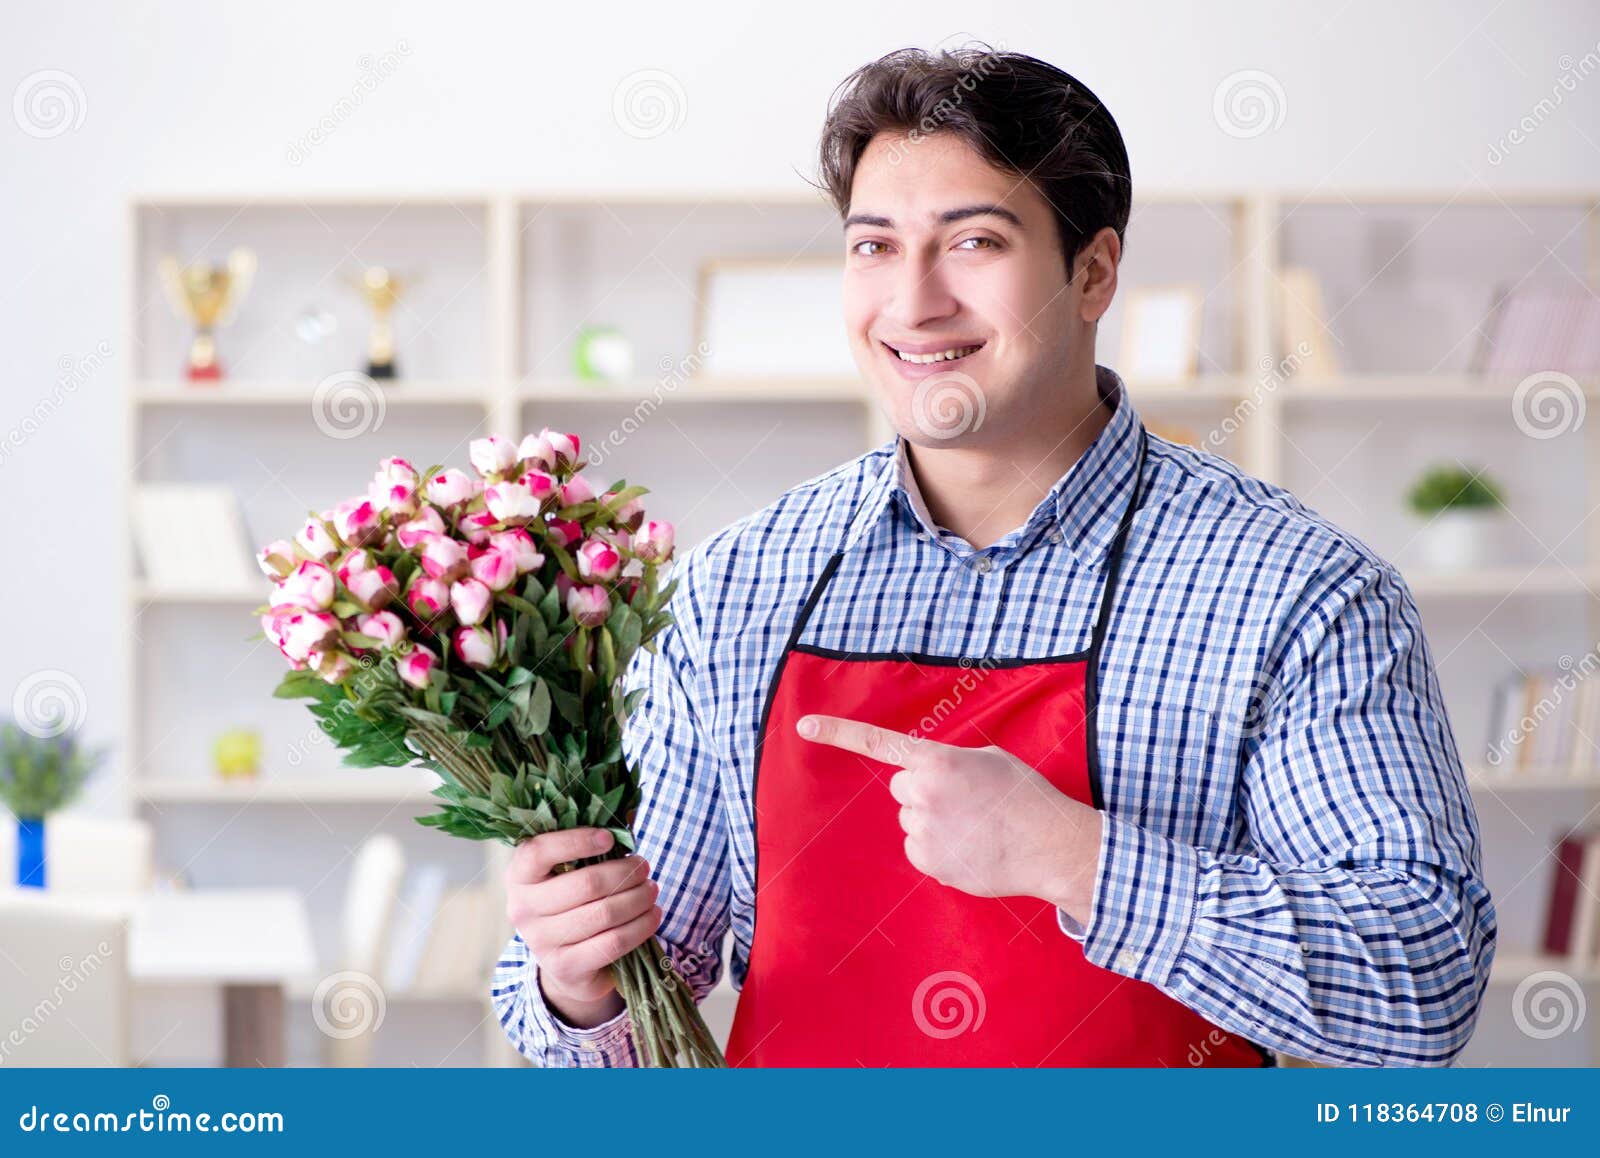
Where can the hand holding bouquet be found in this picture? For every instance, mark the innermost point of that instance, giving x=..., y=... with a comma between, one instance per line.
x=479, y=625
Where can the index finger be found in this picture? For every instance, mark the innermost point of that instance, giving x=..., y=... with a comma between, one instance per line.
x=535, y=857
x=864, y=739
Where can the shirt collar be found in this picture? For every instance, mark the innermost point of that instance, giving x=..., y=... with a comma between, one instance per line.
x=1086, y=503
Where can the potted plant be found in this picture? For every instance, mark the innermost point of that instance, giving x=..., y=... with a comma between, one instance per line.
x=38, y=775
x=1460, y=509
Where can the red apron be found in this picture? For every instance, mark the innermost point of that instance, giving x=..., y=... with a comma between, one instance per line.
x=860, y=959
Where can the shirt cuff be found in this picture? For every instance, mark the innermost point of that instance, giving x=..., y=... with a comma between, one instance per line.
x=608, y=1043
x=1147, y=890
x=1067, y=922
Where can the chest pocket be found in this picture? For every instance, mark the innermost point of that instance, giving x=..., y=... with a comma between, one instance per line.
x=1166, y=766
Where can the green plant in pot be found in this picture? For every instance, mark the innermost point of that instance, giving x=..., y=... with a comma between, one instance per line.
x=1460, y=509
x=38, y=775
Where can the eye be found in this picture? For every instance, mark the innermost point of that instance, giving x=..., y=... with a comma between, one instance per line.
x=856, y=248
x=988, y=242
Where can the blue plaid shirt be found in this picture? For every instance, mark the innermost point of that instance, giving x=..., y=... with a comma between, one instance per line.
x=1289, y=847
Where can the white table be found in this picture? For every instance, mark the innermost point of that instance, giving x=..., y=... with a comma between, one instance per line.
x=251, y=942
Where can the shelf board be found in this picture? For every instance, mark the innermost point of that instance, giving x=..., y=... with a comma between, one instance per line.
x=1550, y=779
x=1513, y=968
x=1368, y=388
x=247, y=596
x=343, y=786
x=1503, y=581
x=401, y=393
x=753, y=390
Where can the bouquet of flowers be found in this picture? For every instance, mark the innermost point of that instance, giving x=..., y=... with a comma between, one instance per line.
x=478, y=625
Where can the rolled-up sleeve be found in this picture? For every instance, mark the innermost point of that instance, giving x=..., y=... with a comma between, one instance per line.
x=1354, y=926
x=679, y=829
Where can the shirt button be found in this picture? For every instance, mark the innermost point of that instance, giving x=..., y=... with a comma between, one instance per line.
x=923, y=536
x=1056, y=536
x=984, y=565
x=1127, y=960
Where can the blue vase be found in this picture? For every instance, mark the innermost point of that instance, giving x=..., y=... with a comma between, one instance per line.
x=30, y=853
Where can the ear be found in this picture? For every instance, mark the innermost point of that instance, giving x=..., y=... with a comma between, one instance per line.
x=1096, y=272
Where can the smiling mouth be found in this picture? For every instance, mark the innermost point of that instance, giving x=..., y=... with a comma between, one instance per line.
x=953, y=354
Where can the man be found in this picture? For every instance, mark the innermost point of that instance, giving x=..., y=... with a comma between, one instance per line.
x=1029, y=738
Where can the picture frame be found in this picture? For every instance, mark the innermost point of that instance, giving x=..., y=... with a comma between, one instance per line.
x=208, y=554
x=1161, y=333
x=765, y=318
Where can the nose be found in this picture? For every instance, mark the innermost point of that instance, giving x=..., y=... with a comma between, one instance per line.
x=921, y=294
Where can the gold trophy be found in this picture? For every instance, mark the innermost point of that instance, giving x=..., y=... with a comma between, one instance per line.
x=207, y=295
x=382, y=290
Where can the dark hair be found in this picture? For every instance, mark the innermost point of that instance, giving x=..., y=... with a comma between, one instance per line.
x=1019, y=113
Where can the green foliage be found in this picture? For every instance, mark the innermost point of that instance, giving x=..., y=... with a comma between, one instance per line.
x=38, y=775
x=1450, y=487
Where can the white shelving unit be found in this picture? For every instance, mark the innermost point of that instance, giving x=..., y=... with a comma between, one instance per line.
x=485, y=346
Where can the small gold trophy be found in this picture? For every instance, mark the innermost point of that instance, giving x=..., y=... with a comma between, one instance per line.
x=207, y=295
x=382, y=290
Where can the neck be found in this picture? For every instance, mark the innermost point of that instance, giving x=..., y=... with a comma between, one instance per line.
x=983, y=492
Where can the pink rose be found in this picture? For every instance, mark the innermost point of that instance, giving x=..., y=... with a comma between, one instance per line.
x=356, y=520
x=653, y=543
x=536, y=452
x=449, y=487
x=471, y=600
x=630, y=514
x=277, y=558
x=598, y=561
x=475, y=646
x=491, y=455
x=494, y=568
x=372, y=587
x=511, y=502
x=332, y=664
x=444, y=558
x=298, y=631
x=411, y=534
x=541, y=485
x=590, y=606
x=310, y=585
x=316, y=540
x=577, y=490
x=398, y=499
x=478, y=526
x=520, y=546
x=565, y=446
x=564, y=531
x=416, y=667
x=397, y=470
x=427, y=598
x=383, y=626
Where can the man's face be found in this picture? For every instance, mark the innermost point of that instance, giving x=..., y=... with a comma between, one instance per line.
x=946, y=255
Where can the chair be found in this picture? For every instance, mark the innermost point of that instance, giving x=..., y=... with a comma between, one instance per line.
x=369, y=906
x=70, y=1004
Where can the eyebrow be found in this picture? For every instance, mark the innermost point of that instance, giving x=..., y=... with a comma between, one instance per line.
x=948, y=217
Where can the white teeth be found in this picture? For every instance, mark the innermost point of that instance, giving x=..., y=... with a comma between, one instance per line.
x=941, y=356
